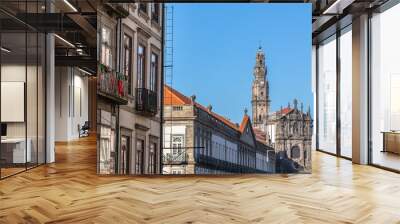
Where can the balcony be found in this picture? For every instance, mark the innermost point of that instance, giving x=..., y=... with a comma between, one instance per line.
x=112, y=85
x=119, y=10
x=227, y=166
x=174, y=158
x=146, y=101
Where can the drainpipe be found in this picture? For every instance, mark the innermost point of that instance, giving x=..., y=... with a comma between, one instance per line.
x=162, y=89
x=118, y=69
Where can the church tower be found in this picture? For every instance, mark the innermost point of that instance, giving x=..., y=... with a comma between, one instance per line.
x=260, y=92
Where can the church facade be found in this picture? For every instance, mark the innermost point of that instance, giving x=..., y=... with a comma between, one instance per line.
x=287, y=130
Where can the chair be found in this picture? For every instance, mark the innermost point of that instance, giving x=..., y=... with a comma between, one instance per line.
x=84, y=130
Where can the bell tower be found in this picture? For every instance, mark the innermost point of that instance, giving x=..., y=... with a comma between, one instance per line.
x=260, y=92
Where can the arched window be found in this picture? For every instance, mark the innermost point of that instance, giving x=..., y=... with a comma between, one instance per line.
x=295, y=152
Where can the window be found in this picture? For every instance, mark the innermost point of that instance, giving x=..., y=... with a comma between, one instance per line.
x=295, y=152
x=155, y=12
x=177, y=171
x=139, y=156
x=143, y=7
x=346, y=93
x=106, y=50
x=177, y=108
x=177, y=144
x=124, y=159
x=327, y=95
x=385, y=88
x=128, y=61
x=107, y=145
x=152, y=169
x=153, y=72
x=141, y=65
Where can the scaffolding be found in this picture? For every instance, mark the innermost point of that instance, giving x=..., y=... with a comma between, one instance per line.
x=168, y=68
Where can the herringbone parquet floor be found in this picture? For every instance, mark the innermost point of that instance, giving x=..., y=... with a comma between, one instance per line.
x=69, y=191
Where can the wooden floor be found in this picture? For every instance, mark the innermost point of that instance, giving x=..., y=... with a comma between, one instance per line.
x=386, y=159
x=69, y=191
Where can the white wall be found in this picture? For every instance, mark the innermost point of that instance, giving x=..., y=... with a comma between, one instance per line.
x=271, y=132
x=14, y=73
x=71, y=96
x=223, y=149
x=174, y=130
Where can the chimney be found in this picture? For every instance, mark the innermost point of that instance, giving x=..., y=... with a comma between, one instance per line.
x=193, y=98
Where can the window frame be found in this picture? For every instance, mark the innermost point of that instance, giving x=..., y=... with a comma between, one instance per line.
x=106, y=45
x=141, y=67
x=155, y=10
x=139, y=156
x=154, y=71
x=143, y=8
x=130, y=63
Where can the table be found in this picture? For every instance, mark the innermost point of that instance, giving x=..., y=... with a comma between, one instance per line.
x=13, y=150
x=391, y=141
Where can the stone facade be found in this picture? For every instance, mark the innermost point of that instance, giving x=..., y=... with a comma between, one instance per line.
x=129, y=88
x=293, y=134
x=260, y=92
x=200, y=141
x=289, y=129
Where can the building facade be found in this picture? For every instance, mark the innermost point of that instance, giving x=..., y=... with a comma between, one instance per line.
x=292, y=131
x=129, y=115
x=200, y=141
x=289, y=129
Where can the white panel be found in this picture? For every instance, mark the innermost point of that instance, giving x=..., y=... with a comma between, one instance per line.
x=12, y=101
x=395, y=102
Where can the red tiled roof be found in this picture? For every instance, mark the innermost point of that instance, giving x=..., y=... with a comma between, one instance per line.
x=286, y=110
x=217, y=116
x=245, y=120
x=173, y=97
x=261, y=136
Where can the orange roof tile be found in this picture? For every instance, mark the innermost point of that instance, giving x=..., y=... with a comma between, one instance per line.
x=261, y=136
x=173, y=97
x=286, y=110
x=245, y=120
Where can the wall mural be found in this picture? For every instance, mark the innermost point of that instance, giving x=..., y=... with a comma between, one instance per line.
x=147, y=124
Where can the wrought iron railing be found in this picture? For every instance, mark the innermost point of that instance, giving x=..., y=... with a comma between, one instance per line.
x=226, y=166
x=174, y=158
x=146, y=101
x=112, y=84
x=120, y=10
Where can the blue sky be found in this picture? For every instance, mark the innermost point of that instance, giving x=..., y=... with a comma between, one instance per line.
x=215, y=47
